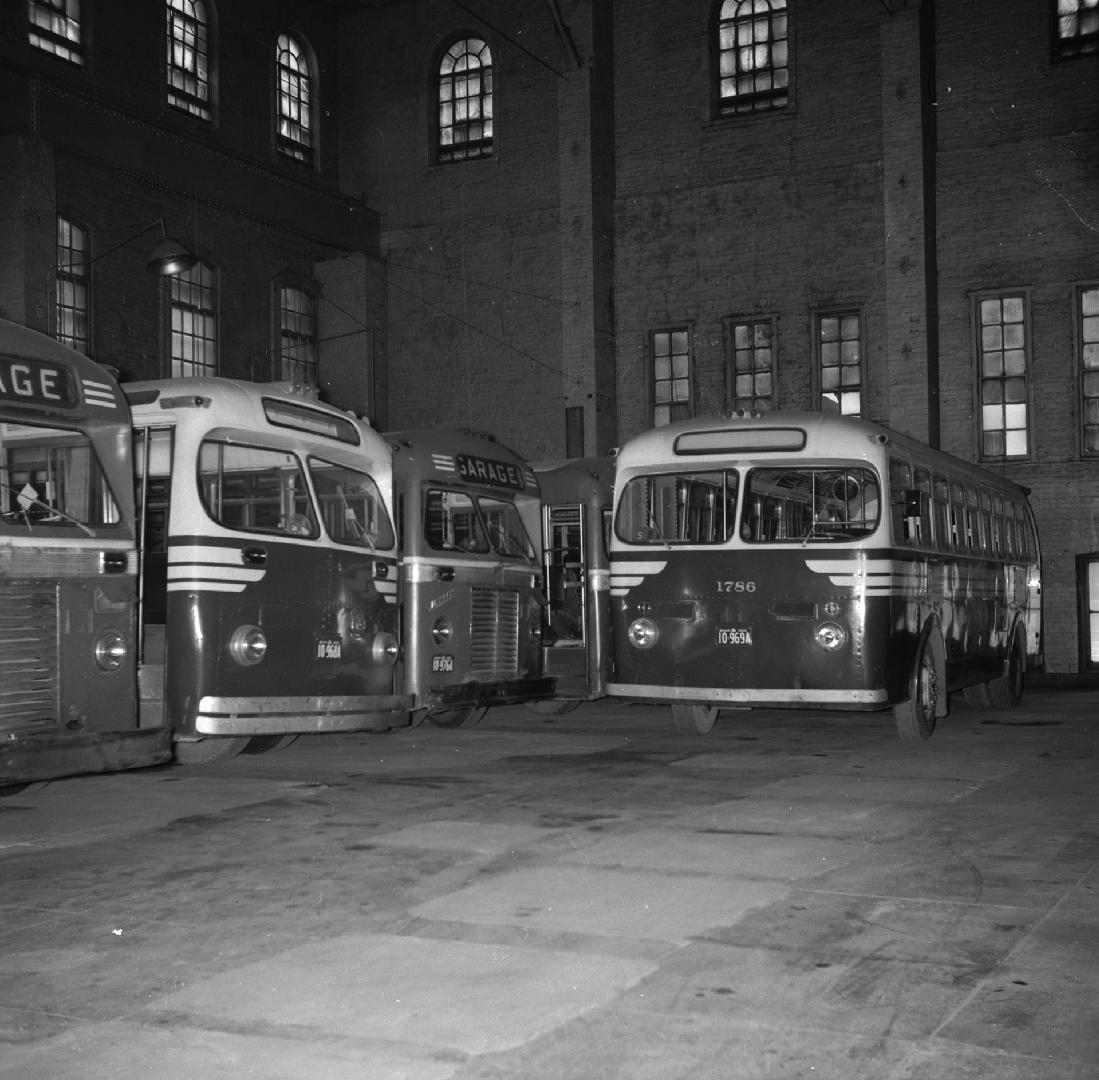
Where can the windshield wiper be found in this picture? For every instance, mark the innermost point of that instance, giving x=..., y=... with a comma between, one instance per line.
x=51, y=510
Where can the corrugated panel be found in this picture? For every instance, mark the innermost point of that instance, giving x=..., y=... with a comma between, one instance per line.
x=494, y=648
x=28, y=657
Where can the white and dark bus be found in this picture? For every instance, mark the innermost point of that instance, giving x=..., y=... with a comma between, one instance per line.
x=469, y=523
x=268, y=567
x=811, y=560
x=68, y=568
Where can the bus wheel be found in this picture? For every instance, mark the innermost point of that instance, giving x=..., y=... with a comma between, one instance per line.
x=265, y=744
x=1007, y=690
x=207, y=751
x=453, y=718
x=553, y=706
x=694, y=719
x=915, y=717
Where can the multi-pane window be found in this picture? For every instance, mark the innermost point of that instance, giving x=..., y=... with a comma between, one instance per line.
x=194, y=325
x=1075, y=27
x=72, y=285
x=671, y=359
x=1002, y=375
x=55, y=28
x=465, y=101
x=295, y=100
x=750, y=363
x=298, y=337
x=839, y=361
x=753, y=56
x=188, y=57
x=1088, y=314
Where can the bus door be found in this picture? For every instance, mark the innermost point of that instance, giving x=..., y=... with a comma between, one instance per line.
x=576, y=629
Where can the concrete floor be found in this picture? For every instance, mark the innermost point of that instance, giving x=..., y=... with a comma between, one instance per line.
x=795, y=895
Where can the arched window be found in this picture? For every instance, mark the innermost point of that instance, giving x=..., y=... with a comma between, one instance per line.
x=465, y=101
x=55, y=28
x=1076, y=28
x=188, y=57
x=295, y=100
x=753, y=56
x=72, y=285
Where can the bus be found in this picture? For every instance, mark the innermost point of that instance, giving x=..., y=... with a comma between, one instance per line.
x=812, y=560
x=576, y=507
x=468, y=512
x=68, y=565
x=267, y=590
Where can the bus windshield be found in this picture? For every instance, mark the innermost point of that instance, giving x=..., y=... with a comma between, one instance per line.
x=351, y=505
x=809, y=504
x=685, y=508
x=51, y=476
x=477, y=524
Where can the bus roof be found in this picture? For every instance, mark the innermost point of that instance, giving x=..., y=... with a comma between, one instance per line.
x=757, y=438
x=460, y=455
x=248, y=406
x=39, y=373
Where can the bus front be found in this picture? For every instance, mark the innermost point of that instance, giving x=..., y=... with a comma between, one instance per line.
x=471, y=575
x=740, y=571
x=67, y=568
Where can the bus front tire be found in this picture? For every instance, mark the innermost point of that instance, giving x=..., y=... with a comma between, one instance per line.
x=552, y=706
x=455, y=718
x=1007, y=690
x=694, y=719
x=915, y=716
x=207, y=751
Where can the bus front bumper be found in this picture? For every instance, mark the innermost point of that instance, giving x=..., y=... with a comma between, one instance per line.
x=511, y=692
x=761, y=697
x=301, y=715
x=49, y=756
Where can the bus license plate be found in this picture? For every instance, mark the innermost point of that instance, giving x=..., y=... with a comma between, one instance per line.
x=734, y=635
x=442, y=663
x=329, y=649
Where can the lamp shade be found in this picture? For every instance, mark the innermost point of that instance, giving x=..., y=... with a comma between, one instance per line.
x=169, y=256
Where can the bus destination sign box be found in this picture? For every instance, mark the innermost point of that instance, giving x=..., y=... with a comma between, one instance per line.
x=34, y=382
x=479, y=470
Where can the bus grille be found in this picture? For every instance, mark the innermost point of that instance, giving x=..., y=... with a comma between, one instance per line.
x=494, y=648
x=28, y=657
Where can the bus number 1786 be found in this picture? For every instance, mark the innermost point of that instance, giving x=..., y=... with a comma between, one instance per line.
x=736, y=586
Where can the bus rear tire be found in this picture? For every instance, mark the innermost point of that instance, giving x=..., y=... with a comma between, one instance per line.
x=552, y=706
x=266, y=744
x=207, y=751
x=456, y=718
x=915, y=716
x=694, y=719
x=1007, y=690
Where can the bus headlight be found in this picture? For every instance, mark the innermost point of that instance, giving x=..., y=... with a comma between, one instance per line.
x=830, y=636
x=248, y=645
x=383, y=649
x=643, y=633
x=441, y=631
x=110, y=650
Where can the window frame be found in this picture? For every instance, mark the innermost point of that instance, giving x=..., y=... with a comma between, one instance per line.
x=446, y=153
x=1082, y=42
x=79, y=280
x=757, y=102
x=61, y=15
x=1085, y=339
x=977, y=300
x=751, y=323
x=295, y=136
x=178, y=95
x=653, y=381
x=840, y=313
x=207, y=316
x=283, y=334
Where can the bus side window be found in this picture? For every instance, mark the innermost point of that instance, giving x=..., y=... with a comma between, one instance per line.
x=900, y=501
x=957, y=516
x=940, y=496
